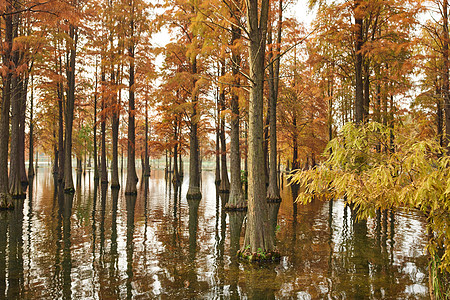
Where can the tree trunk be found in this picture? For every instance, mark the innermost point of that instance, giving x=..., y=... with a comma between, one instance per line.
x=68, y=180
x=15, y=187
x=194, y=159
x=31, y=137
x=60, y=134
x=5, y=198
x=96, y=175
x=359, y=86
x=103, y=168
x=224, y=181
x=23, y=110
x=236, y=199
x=130, y=188
x=217, y=141
x=176, y=177
x=258, y=231
x=115, y=140
x=146, y=161
x=273, y=191
x=445, y=86
x=439, y=116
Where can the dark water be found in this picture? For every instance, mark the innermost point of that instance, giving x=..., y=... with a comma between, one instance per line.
x=103, y=245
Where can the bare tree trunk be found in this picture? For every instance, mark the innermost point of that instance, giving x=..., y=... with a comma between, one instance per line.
x=115, y=144
x=445, y=86
x=96, y=175
x=359, y=98
x=194, y=158
x=23, y=110
x=236, y=199
x=68, y=180
x=258, y=231
x=273, y=191
x=31, y=137
x=15, y=187
x=146, y=160
x=217, y=140
x=103, y=168
x=224, y=181
x=130, y=188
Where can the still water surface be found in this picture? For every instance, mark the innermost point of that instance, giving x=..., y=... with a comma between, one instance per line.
x=100, y=244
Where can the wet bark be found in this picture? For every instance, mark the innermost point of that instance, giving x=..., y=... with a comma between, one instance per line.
x=257, y=233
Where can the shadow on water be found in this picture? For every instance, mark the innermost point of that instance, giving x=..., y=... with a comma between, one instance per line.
x=130, y=206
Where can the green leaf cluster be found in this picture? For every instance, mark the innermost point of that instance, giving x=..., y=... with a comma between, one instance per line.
x=373, y=166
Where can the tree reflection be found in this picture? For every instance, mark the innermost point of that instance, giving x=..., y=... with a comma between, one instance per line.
x=130, y=205
x=67, y=255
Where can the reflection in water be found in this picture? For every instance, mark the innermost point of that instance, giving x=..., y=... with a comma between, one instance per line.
x=104, y=245
x=131, y=203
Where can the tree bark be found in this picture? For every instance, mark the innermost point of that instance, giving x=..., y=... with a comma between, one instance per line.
x=31, y=137
x=115, y=141
x=15, y=187
x=217, y=154
x=273, y=191
x=5, y=198
x=23, y=110
x=224, y=181
x=236, y=199
x=68, y=179
x=359, y=86
x=130, y=188
x=103, y=169
x=194, y=159
x=257, y=235
x=95, y=154
x=445, y=85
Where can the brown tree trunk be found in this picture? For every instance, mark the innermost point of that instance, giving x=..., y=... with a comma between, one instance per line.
x=176, y=177
x=130, y=188
x=103, y=168
x=5, y=197
x=23, y=110
x=359, y=87
x=258, y=231
x=217, y=154
x=439, y=115
x=60, y=133
x=445, y=77
x=236, y=199
x=31, y=137
x=224, y=181
x=273, y=191
x=146, y=160
x=15, y=187
x=96, y=175
x=115, y=143
x=194, y=159
x=68, y=179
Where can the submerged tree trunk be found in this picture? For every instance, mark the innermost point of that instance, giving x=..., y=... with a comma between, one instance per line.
x=224, y=181
x=130, y=188
x=257, y=235
x=5, y=197
x=15, y=187
x=194, y=159
x=146, y=160
x=236, y=199
x=23, y=110
x=103, y=169
x=68, y=179
x=96, y=175
x=31, y=138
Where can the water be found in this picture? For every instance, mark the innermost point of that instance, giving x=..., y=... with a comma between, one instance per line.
x=103, y=245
